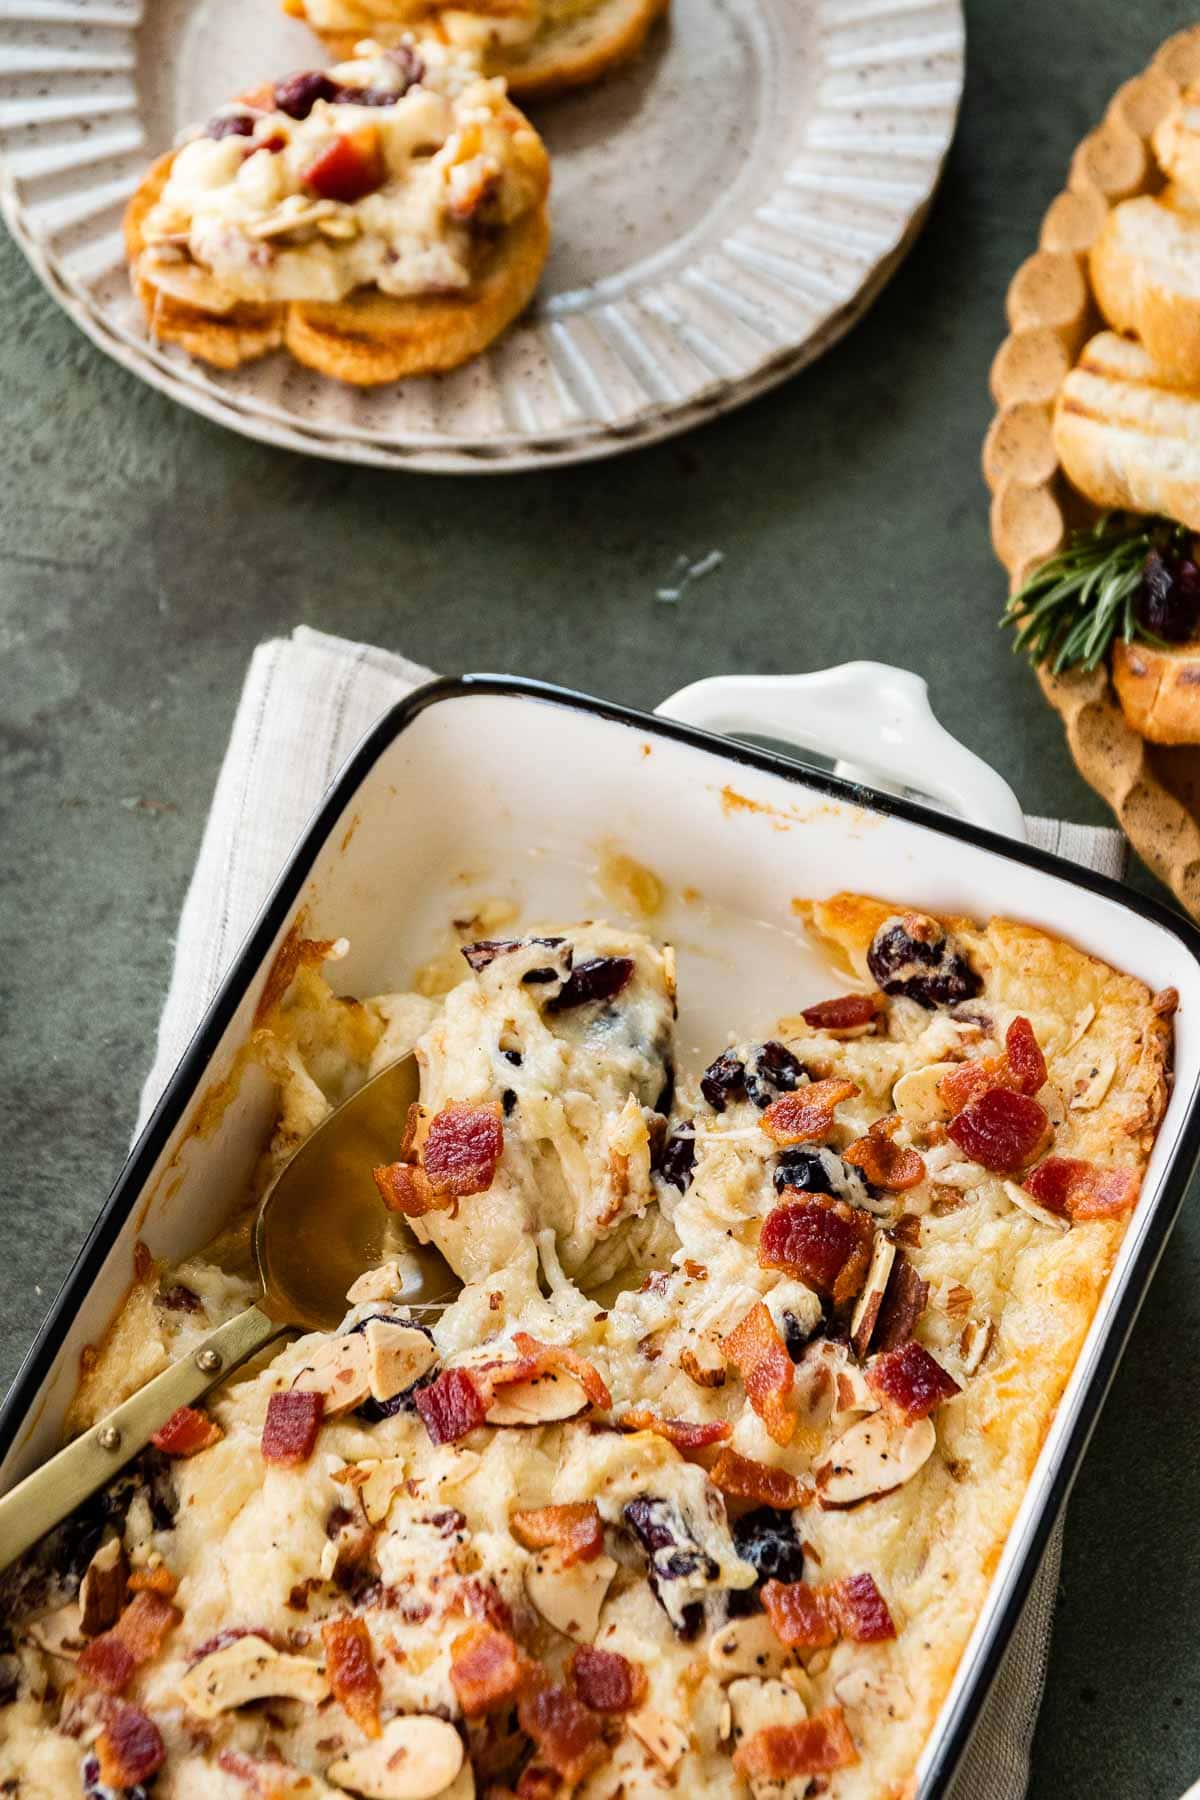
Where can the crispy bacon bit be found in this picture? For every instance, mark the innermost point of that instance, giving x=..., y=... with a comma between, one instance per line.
x=1002, y=1129
x=760, y=1357
x=351, y=166
x=566, y=1735
x=487, y=1669
x=187, y=1431
x=741, y=1478
x=575, y=1529
x=861, y=1610
x=780, y=1752
x=483, y=1600
x=1021, y=1068
x=970, y=1079
x=158, y=1580
x=904, y=1300
x=1082, y=1190
x=561, y=1356
x=353, y=1677
x=799, y=1615
x=607, y=1682
x=849, y=1012
x=883, y=1162
x=463, y=1147
x=823, y=1241
x=807, y=1115
x=683, y=1433
x=451, y=1406
x=290, y=1427
x=404, y=1188
x=910, y=1380
x=1023, y=1054
x=130, y=1748
x=109, y=1661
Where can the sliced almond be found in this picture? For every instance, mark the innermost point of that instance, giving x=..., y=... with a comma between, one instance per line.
x=291, y=217
x=542, y=1401
x=338, y=1371
x=873, y=1457
x=1092, y=1082
x=974, y=1343
x=60, y=1633
x=383, y=1283
x=661, y=1736
x=416, y=1758
x=1082, y=1021
x=397, y=1355
x=383, y=1481
x=704, y=1363
x=915, y=1096
x=570, y=1598
x=758, y=1703
x=249, y=1669
x=872, y=1689
x=102, y=1590
x=870, y=1301
x=1021, y=1197
x=747, y=1647
x=184, y=280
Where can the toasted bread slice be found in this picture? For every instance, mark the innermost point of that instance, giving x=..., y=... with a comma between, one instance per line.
x=1145, y=269
x=366, y=339
x=566, y=52
x=1159, y=690
x=1128, y=435
x=1176, y=142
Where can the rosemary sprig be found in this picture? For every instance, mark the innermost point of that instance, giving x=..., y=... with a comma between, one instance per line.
x=1072, y=607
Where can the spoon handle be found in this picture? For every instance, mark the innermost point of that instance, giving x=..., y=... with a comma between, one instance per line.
x=51, y=1492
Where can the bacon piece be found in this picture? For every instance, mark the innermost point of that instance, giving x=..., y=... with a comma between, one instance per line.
x=849, y=1012
x=806, y=1115
x=158, y=1580
x=487, y=1669
x=290, y=1428
x=187, y=1431
x=744, y=1479
x=822, y=1241
x=575, y=1529
x=561, y=1356
x=799, y=1614
x=904, y=1300
x=483, y=1600
x=353, y=1677
x=109, y=1661
x=463, y=1147
x=566, y=1735
x=885, y=1164
x=683, y=1433
x=1082, y=1190
x=607, y=1682
x=1022, y=1068
x=404, y=1188
x=451, y=1406
x=760, y=1357
x=1002, y=1129
x=129, y=1749
x=861, y=1610
x=1023, y=1054
x=910, y=1380
x=780, y=1752
x=351, y=166
x=966, y=1082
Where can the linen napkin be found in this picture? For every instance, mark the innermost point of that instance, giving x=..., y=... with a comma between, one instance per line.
x=307, y=701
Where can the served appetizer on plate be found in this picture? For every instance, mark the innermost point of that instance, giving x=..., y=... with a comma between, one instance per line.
x=699, y=1485
x=538, y=46
x=381, y=218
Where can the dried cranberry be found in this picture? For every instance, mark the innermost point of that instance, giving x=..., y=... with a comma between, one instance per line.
x=599, y=978
x=410, y=65
x=915, y=957
x=369, y=96
x=767, y=1539
x=179, y=1299
x=231, y=125
x=795, y=1337
x=1168, y=601
x=804, y=1168
x=508, y=1100
x=723, y=1080
x=666, y=1093
x=299, y=93
x=776, y=1071
x=677, y=1158
x=94, y=1788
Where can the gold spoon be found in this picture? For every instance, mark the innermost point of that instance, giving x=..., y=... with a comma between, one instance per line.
x=318, y=1228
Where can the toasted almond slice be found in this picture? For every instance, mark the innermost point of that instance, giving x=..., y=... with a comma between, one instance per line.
x=416, y=1758
x=704, y=1363
x=915, y=1096
x=1093, y=1081
x=974, y=1343
x=1079, y=1028
x=379, y=1488
x=759, y=1703
x=867, y=1307
x=570, y=1598
x=60, y=1633
x=1025, y=1200
x=542, y=1401
x=337, y=1370
x=397, y=1355
x=249, y=1669
x=102, y=1590
x=383, y=1283
x=664, y=1740
x=747, y=1647
x=873, y=1457
x=186, y=281
x=873, y=1689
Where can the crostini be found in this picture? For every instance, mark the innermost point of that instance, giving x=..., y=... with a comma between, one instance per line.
x=383, y=218
x=1127, y=434
x=1145, y=269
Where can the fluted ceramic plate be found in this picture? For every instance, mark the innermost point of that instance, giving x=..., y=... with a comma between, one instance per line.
x=723, y=210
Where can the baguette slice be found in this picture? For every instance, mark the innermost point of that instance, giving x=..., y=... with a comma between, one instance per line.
x=1145, y=269
x=1127, y=434
x=566, y=53
x=1176, y=142
x=1159, y=690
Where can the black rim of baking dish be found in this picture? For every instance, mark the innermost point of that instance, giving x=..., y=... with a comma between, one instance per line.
x=180, y=1092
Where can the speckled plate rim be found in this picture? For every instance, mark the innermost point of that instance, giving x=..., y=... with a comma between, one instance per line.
x=1051, y=314
x=583, y=438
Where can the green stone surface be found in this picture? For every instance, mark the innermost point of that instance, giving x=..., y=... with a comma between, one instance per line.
x=144, y=552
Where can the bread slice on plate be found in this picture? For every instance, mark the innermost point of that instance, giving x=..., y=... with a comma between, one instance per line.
x=1176, y=141
x=1159, y=690
x=540, y=47
x=384, y=218
x=1145, y=268
x=1127, y=434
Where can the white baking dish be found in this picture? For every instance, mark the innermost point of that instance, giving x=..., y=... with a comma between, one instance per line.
x=490, y=786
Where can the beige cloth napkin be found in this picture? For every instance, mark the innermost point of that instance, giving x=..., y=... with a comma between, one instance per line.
x=307, y=702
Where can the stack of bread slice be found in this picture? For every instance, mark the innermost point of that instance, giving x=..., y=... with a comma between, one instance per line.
x=1127, y=418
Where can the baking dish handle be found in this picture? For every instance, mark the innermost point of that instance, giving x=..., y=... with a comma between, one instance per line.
x=873, y=720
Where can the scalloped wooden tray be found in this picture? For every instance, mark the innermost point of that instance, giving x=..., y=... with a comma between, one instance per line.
x=1154, y=791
